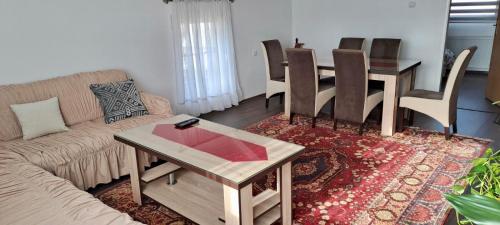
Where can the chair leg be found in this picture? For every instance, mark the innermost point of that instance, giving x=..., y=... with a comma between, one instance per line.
x=335, y=124
x=411, y=117
x=380, y=114
x=447, y=133
x=455, y=128
x=314, y=122
x=281, y=98
x=291, y=118
x=267, y=103
x=332, y=111
x=360, y=132
x=401, y=119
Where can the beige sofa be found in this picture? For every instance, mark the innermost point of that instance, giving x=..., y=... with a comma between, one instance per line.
x=85, y=156
x=30, y=195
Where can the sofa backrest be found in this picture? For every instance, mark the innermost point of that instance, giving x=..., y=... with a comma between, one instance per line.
x=77, y=102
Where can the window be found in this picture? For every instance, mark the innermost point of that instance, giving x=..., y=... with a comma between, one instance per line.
x=206, y=72
x=467, y=11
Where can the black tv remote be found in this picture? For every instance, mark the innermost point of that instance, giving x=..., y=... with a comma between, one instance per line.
x=186, y=123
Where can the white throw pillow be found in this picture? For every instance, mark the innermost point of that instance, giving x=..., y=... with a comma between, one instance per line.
x=39, y=118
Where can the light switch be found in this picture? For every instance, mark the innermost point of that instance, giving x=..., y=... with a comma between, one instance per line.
x=255, y=53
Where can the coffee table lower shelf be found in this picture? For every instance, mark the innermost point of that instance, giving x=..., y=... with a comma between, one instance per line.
x=202, y=200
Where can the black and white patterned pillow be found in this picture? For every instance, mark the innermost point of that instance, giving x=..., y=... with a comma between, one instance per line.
x=119, y=100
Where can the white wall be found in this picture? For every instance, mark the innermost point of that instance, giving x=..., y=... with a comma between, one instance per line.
x=253, y=22
x=43, y=39
x=463, y=35
x=321, y=23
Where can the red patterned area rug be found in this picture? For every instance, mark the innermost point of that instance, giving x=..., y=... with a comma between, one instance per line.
x=344, y=178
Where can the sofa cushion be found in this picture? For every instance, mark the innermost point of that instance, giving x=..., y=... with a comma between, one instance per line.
x=30, y=195
x=77, y=102
x=119, y=100
x=132, y=122
x=86, y=155
x=39, y=118
x=58, y=149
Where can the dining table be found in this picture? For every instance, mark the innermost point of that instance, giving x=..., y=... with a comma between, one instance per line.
x=398, y=77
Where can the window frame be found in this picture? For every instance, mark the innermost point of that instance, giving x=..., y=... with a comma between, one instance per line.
x=467, y=15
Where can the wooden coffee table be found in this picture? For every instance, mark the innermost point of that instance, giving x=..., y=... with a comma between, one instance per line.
x=210, y=189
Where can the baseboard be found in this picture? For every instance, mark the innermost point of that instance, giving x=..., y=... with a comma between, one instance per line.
x=471, y=72
x=477, y=72
x=254, y=97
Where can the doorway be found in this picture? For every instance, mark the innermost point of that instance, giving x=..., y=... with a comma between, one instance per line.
x=472, y=23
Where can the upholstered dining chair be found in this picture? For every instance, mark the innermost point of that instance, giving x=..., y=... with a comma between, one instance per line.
x=352, y=43
x=441, y=106
x=385, y=48
x=354, y=101
x=345, y=43
x=307, y=95
x=275, y=72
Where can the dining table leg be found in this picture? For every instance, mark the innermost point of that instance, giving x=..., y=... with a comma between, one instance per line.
x=390, y=107
x=288, y=97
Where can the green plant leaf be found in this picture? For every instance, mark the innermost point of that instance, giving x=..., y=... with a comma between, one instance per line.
x=481, y=168
x=478, y=161
x=458, y=189
x=488, y=153
x=479, y=209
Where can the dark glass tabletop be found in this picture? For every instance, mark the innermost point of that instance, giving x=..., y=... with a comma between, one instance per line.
x=379, y=66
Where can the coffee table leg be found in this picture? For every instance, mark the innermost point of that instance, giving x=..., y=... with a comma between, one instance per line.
x=286, y=193
x=238, y=207
x=136, y=168
x=171, y=179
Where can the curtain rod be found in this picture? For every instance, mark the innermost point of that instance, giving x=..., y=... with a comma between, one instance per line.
x=167, y=1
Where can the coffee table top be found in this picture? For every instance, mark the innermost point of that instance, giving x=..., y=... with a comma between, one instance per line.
x=232, y=173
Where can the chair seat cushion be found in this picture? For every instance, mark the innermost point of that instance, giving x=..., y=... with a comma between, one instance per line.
x=280, y=79
x=324, y=86
x=373, y=98
x=327, y=80
x=373, y=91
x=418, y=93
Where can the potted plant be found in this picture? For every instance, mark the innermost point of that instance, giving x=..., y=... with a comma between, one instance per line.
x=482, y=204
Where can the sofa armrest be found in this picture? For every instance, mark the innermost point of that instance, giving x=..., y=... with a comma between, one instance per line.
x=156, y=105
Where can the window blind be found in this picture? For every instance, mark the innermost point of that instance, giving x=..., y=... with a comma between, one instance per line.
x=468, y=11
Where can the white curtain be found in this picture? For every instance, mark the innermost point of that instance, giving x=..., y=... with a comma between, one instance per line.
x=205, y=61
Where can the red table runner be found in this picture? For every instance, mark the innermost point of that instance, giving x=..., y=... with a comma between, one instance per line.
x=219, y=145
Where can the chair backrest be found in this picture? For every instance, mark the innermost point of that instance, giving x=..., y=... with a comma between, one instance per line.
x=351, y=82
x=352, y=43
x=455, y=79
x=273, y=55
x=303, y=72
x=385, y=48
